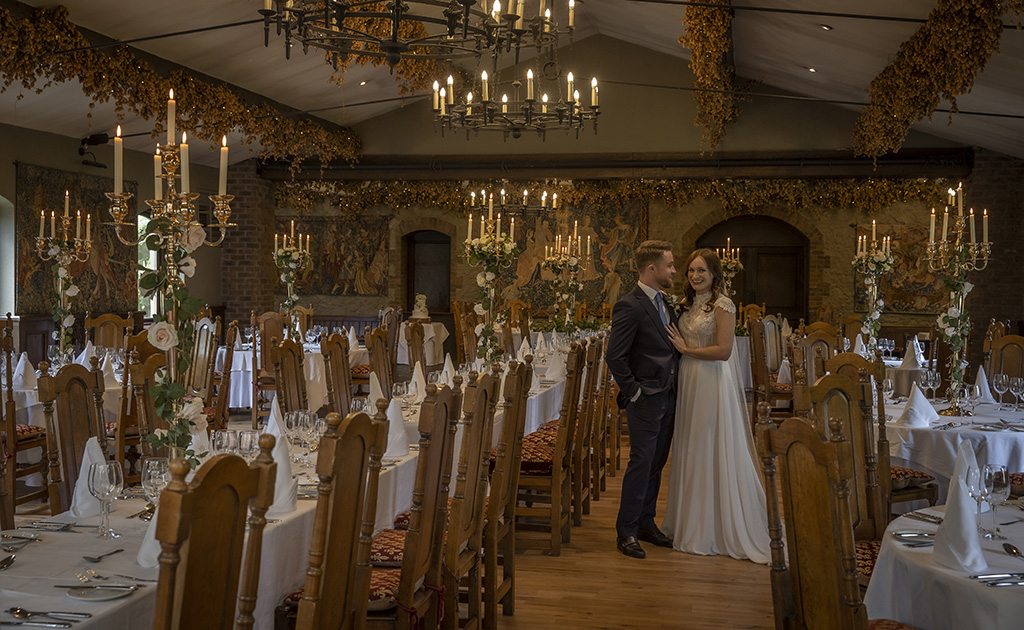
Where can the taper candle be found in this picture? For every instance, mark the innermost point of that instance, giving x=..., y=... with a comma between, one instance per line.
x=512, y=230
x=275, y=243
x=118, y=162
x=42, y=223
x=88, y=227
x=186, y=182
x=873, y=226
x=53, y=224
x=931, y=228
x=469, y=228
x=485, y=89
x=568, y=92
x=170, y=117
x=78, y=225
x=973, y=239
x=67, y=202
x=945, y=223
x=437, y=97
x=222, y=182
x=293, y=229
x=984, y=225
x=158, y=184
x=529, y=84
x=499, y=225
x=593, y=92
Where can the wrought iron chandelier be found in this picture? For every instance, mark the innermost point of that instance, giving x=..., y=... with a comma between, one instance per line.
x=507, y=202
x=421, y=29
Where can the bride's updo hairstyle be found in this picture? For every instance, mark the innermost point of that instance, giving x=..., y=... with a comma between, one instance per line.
x=715, y=267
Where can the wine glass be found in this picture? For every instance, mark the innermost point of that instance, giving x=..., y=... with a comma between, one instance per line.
x=247, y=334
x=106, y=480
x=155, y=475
x=962, y=395
x=1001, y=383
x=249, y=444
x=292, y=424
x=307, y=423
x=357, y=405
x=888, y=387
x=225, y=442
x=974, y=396
x=399, y=391
x=1016, y=388
x=53, y=354
x=997, y=489
x=924, y=381
x=975, y=482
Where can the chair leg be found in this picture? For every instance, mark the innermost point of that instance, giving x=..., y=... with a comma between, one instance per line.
x=490, y=578
x=508, y=571
x=555, y=517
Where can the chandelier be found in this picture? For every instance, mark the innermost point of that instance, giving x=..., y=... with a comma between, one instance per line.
x=406, y=29
x=512, y=116
x=510, y=204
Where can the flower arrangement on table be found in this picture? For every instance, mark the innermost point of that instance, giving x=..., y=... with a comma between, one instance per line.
x=872, y=262
x=492, y=251
x=291, y=258
x=567, y=269
x=954, y=324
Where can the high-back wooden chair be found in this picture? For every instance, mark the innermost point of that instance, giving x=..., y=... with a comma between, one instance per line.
x=289, y=375
x=499, y=537
x=822, y=328
x=348, y=469
x=139, y=342
x=204, y=580
x=268, y=326
x=766, y=389
x=107, y=330
x=303, y=317
x=222, y=400
x=125, y=432
x=774, y=346
x=1006, y=356
x=376, y=346
x=747, y=311
x=850, y=327
x=73, y=400
x=414, y=344
x=17, y=438
x=142, y=376
x=464, y=539
x=392, y=326
x=826, y=314
x=6, y=501
x=337, y=372
x=507, y=340
x=460, y=345
x=517, y=309
x=469, y=339
x=583, y=434
x=199, y=377
x=599, y=432
x=813, y=350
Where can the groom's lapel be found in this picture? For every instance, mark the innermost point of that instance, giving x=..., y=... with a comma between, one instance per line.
x=652, y=312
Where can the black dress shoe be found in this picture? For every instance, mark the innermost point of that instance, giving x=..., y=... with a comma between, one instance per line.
x=630, y=547
x=655, y=537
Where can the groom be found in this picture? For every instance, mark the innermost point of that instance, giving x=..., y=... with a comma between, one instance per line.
x=644, y=363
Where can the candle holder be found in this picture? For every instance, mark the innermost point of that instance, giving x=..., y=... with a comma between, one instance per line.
x=872, y=260
x=510, y=204
x=63, y=249
x=956, y=257
x=566, y=261
x=291, y=259
x=492, y=251
x=731, y=265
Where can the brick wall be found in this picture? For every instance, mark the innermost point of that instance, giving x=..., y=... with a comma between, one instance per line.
x=247, y=266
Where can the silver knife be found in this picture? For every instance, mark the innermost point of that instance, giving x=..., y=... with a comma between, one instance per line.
x=997, y=576
x=37, y=624
x=116, y=587
x=1004, y=583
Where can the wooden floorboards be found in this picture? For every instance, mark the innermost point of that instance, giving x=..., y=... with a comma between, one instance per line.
x=591, y=585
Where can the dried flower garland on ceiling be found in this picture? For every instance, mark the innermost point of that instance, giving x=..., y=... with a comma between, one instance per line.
x=708, y=37
x=740, y=196
x=28, y=56
x=939, y=61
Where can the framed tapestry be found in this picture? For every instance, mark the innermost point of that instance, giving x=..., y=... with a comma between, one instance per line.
x=107, y=281
x=911, y=288
x=351, y=255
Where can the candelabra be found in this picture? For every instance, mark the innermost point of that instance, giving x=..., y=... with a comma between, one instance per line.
x=873, y=260
x=63, y=249
x=290, y=258
x=492, y=251
x=509, y=204
x=731, y=264
x=566, y=260
x=956, y=257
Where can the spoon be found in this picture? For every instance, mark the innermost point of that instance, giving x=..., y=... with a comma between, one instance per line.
x=1013, y=550
x=21, y=613
x=100, y=557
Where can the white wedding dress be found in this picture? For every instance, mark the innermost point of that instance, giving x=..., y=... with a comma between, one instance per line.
x=716, y=500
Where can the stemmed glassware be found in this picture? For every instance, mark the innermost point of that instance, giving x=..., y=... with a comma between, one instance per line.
x=888, y=388
x=357, y=405
x=974, y=396
x=399, y=391
x=225, y=442
x=976, y=488
x=1001, y=383
x=247, y=334
x=249, y=445
x=307, y=429
x=106, y=480
x=997, y=487
x=293, y=424
x=155, y=475
x=1017, y=389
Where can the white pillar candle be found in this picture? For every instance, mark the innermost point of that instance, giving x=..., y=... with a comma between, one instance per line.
x=593, y=92
x=170, y=117
x=973, y=238
x=568, y=92
x=186, y=182
x=529, y=84
x=118, y=162
x=931, y=228
x=984, y=225
x=42, y=223
x=222, y=183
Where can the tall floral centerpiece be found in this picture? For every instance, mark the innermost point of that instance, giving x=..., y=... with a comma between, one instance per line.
x=174, y=235
x=566, y=260
x=64, y=250
x=491, y=251
x=291, y=256
x=731, y=265
x=872, y=261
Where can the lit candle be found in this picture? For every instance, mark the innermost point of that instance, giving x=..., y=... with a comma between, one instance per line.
x=67, y=201
x=222, y=184
x=88, y=227
x=496, y=10
x=544, y=104
x=499, y=225
x=504, y=103
x=520, y=8
x=78, y=226
x=541, y=8
x=945, y=223
x=490, y=207
x=443, y=100
x=53, y=224
x=593, y=92
x=437, y=97
x=186, y=182
x=576, y=99
x=118, y=162
x=572, y=13
x=960, y=199
x=575, y=226
x=307, y=243
x=526, y=194
x=481, y=225
x=472, y=203
x=502, y=198
x=158, y=185
x=984, y=225
x=529, y=85
x=554, y=201
x=973, y=239
x=293, y=229
x=547, y=20
x=931, y=228
x=568, y=92
x=512, y=230
x=952, y=196
x=728, y=243
x=873, y=238
x=485, y=90
x=469, y=102
x=275, y=243
x=544, y=200
x=451, y=90
x=42, y=223
x=170, y=118
x=588, y=246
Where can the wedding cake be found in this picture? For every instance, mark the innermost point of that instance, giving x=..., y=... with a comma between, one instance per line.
x=419, y=310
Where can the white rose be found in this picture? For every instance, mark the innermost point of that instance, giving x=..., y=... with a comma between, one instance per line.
x=199, y=423
x=62, y=272
x=481, y=279
x=490, y=276
x=967, y=287
x=69, y=321
x=954, y=312
x=72, y=291
x=187, y=266
x=160, y=433
x=864, y=330
x=881, y=303
x=574, y=261
x=193, y=238
x=479, y=310
x=950, y=332
x=284, y=278
x=53, y=251
x=163, y=336
x=509, y=246
x=192, y=409
x=479, y=329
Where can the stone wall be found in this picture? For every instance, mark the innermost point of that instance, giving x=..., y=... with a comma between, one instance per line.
x=247, y=265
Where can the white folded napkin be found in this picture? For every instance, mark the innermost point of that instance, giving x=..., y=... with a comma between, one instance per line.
x=785, y=373
x=448, y=372
x=556, y=370
x=419, y=381
x=858, y=345
x=353, y=340
x=238, y=346
x=448, y=364
x=24, y=373
x=787, y=330
x=982, y=383
x=84, y=504
x=375, y=393
x=918, y=412
x=524, y=349
x=910, y=361
x=398, y=441
x=919, y=350
x=110, y=382
x=86, y=355
x=535, y=384
x=957, y=545
x=540, y=344
x=149, y=550
x=286, y=489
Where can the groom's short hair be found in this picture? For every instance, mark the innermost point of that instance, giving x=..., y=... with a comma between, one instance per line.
x=650, y=252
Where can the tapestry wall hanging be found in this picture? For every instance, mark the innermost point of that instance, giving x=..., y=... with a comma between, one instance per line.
x=349, y=257
x=911, y=287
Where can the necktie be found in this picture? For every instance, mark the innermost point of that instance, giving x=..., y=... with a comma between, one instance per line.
x=659, y=300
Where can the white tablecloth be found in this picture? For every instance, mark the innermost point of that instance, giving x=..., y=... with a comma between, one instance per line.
x=313, y=365
x=907, y=585
x=741, y=348
x=902, y=378
x=434, y=335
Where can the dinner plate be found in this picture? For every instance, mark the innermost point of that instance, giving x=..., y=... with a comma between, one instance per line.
x=100, y=594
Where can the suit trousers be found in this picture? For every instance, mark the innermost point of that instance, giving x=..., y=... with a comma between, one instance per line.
x=651, y=421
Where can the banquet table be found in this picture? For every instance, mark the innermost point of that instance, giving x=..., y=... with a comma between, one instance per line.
x=902, y=378
x=313, y=365
x=741, y=348
x=434, y=335
x=908, y=586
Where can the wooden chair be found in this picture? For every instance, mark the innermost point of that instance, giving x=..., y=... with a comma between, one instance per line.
x=201, y=529
x=766, y=389
x=289, y=375
x=747, y=311
x=301, y=316
x=774, y=345
x=460, y=345
x=73, y=400
x=6, y=501
x=376, y=346
x=348, y=467
x=499, y=537
x=469, y=339
x=599, y=433
x=222, y=400
x=338, y=374
x=813, y=350
x=582, y=436
x=1006, y=356
x=414, y=343
x=17, y=438
x=142, y=376
x=508, y=341
x=107, y=330
x=616, y=417
x=392, y=326
x=125, y=431
x=464, y=540
x=821, y=328
x=139, y=342
x=517, y=309
x=817, y=588
x=826, y=314
x=545, y=476
x=850, y=327
x=199, y=377
x=268, y=326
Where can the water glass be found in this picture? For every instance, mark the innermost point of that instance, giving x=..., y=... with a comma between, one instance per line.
x=249, y=444
x=1016, y=388
x=225, y=442
x=155, y=475
x=976, y=488
x=307, y=422
x=106, y=480
x=997, y=489
x=399, y=391
x=974, y=396
x=357, y=405
x=888, y=387
x=1001, y=383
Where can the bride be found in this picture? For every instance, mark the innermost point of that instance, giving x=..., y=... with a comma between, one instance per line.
x=716, y=501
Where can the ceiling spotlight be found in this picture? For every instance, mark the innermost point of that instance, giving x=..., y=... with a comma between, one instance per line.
x=811, y=70
x=362, y=83
x=825, y=27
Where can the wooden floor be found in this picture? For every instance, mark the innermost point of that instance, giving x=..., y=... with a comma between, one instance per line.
x=591, y=585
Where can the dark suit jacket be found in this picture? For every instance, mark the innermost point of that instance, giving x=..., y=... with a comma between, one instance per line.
x=640, y=355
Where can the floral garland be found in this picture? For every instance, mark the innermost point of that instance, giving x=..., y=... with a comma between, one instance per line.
x=872, y=265
x=62, y=315
x=30, y=55
x=492, y=253
x=954, y=324
x=290, y=261
x=707, y=36
x=568, y=284
x=939, y=61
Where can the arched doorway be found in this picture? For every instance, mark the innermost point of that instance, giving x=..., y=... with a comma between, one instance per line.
x=428, y=269
x=774, y=256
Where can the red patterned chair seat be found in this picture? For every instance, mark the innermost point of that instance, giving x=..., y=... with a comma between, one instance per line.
x=867, y=555
x=402, y=520
x=1017, y=483
x=26, y=431
x=383, y=585
x=537, y=455
x=907, y=477
x=888, y=624
x=361, y=370
x=782, y=388
x=111, y=428
x=388, y=548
